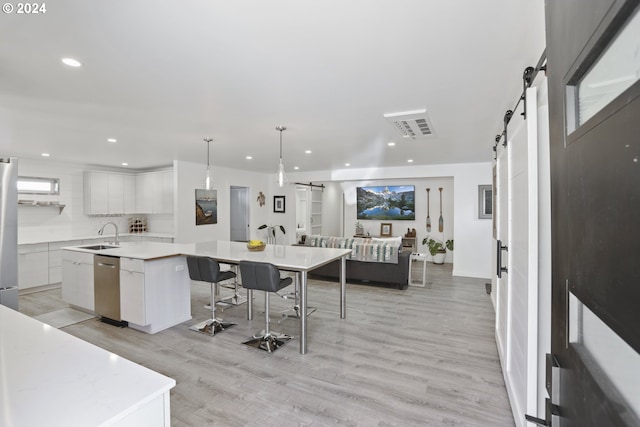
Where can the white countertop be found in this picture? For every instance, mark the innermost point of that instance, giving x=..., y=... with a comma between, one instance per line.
x=137, y=250
x=67, y=238
x=286, y=257
x=51, y=378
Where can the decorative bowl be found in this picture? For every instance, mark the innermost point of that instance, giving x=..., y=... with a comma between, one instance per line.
x=257, y=248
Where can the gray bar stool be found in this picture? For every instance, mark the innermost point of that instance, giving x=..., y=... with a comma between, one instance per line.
x=263, y=276
x=205, y=269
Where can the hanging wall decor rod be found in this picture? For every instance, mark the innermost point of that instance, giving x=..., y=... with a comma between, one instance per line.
x=528, y=76
x=311, y=185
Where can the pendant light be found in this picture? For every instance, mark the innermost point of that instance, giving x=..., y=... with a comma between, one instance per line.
x=280, y=176
x=207, y=178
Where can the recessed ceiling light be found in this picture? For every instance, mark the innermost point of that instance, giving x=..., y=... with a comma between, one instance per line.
x=248, y=157
x=45, y=154
x=307, y=151
x=112, y=140
x=72, y=62
x=296, y=167
x=125, y=164
x=391, y=144
x=347, y=164
x=410, y=161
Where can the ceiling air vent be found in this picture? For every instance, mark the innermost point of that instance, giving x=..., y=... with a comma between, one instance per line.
x=412, y=124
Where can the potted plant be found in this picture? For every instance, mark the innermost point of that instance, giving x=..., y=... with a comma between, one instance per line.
x=271, y=232
x=437, y=248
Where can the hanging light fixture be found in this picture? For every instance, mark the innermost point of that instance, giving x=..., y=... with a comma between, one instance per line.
x=280, y=176
x=207, y=178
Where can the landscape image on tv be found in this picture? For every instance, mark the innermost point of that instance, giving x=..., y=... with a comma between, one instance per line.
x=390, y=202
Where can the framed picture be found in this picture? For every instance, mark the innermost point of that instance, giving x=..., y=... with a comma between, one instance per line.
x=485, y=202
x=386, y=202
x=278, y=204
x=385, y=229
x=206, y=207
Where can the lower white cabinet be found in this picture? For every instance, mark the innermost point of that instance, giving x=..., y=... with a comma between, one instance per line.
x=132, y=295
x=77, y=279
x=33, y=265
x=154, y=294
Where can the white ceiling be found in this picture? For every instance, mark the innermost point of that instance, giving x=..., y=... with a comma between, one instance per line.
x=160, y=76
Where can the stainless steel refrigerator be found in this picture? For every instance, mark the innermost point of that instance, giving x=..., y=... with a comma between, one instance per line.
x=9, y=232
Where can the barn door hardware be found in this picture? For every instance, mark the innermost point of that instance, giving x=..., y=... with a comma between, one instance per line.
x=499, y=268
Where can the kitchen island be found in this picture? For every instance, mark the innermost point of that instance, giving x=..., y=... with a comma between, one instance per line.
x=171, y=284
x=50, y=378
x=155, y=291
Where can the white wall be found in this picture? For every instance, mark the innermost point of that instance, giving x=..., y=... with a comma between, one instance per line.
x=472, y=236
x=41, y=224
x=399, y=228
x=190, y=176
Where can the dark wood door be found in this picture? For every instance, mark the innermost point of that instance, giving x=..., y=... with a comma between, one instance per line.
x=595, y=180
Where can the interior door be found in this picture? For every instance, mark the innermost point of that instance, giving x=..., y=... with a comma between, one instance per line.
x=239, y=205
x=502, y=236
x=593, y=49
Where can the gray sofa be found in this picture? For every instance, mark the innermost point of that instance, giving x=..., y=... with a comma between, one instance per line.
x=386, y=274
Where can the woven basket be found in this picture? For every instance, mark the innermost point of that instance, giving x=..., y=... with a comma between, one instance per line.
x=256, y=248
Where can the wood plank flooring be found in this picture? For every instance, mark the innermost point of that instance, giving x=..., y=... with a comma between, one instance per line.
x=420, y=357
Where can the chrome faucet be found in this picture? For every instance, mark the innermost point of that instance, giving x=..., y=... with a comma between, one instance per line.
x=117, y=241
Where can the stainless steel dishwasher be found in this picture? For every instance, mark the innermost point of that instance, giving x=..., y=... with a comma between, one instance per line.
x=106, y=271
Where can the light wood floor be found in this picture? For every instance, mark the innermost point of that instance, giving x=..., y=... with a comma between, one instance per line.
x=420, y=357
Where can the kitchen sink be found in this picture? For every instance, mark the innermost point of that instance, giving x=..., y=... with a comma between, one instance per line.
x=98, y=247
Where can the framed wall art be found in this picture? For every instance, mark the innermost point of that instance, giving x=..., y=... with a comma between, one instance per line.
x=385, y=229
x=278, y=204
x=206, y=207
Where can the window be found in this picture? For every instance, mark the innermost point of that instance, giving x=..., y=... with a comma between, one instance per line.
x=36, y=185
x=615, y=70
x=485, y=202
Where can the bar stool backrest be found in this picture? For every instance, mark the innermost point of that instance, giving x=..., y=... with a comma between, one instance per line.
x=203, y=269
x=262, y=276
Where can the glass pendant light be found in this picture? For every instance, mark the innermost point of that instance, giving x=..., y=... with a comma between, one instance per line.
x=207, y=178
x=280, y=176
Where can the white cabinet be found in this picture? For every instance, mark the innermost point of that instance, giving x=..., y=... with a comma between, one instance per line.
x=167, y=192
x=108, y=193
x=154, y=191
x=77, y=279
x=55, y=259
x=144, y=193
x=129, y=190
x=115, y=193
x=33, y=265
x=132, y=287
x=154, y=294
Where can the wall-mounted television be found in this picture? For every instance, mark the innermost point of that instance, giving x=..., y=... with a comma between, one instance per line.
x=386, y=202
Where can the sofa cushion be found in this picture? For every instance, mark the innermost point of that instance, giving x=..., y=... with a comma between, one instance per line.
x=365, y=250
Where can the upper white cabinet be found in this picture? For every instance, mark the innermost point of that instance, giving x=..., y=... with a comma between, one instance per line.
x=108, y=193
x=112, y=193
x=154, y=191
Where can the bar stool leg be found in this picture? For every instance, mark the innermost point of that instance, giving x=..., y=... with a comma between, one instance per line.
x=294, y=312
x=267, y=340
x=213, y=325
x=236, y=299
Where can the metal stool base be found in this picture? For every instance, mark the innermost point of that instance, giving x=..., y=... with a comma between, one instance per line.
x=211, y=326
x=268, y=343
